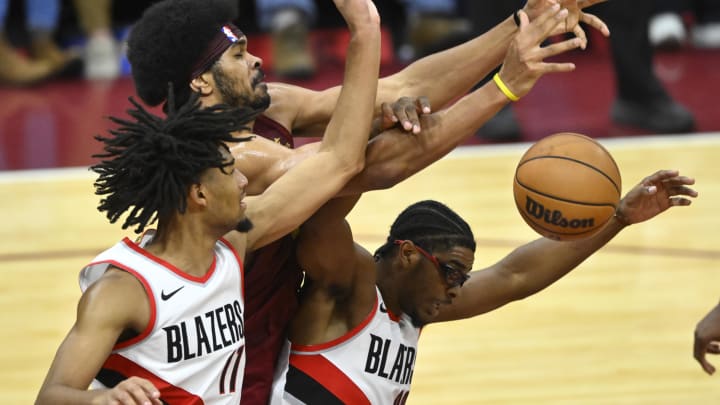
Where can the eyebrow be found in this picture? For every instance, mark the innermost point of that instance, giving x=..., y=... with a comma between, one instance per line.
x=460, y=265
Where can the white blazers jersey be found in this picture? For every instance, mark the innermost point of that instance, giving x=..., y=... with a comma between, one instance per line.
x=371, y=364
x=193, y=349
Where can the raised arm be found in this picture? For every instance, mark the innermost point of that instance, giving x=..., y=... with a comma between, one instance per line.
x=441, y=77
x=339, y=290
x=302, y=190
x=536, y=265
x=394, y=155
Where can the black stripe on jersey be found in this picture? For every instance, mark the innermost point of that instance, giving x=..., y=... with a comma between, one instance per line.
x=110, y=378
x=307, y=390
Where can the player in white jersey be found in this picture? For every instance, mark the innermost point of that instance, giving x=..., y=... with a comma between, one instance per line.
x=354, y=338
x=138, y=328
x=192, y=349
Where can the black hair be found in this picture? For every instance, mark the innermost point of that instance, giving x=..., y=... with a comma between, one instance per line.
x=431, y=225
x=167, y=41
x=148, y=164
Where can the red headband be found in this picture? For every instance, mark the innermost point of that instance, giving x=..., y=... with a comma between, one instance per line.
x=228, y=35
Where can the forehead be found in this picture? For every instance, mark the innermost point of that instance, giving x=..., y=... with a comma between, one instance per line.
x=241, y=43
x=458, y=255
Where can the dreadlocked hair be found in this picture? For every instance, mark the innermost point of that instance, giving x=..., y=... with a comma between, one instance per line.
x=149, y=163
x=431, y=225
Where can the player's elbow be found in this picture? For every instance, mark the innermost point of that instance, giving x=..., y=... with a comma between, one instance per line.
x=350, y=167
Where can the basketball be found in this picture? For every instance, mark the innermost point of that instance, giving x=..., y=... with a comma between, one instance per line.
x=567, y=186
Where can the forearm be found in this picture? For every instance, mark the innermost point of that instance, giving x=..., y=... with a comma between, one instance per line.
x=540, y=263
x=60, y=395
x=349, y=128
x=395, y=155
x=447, y=75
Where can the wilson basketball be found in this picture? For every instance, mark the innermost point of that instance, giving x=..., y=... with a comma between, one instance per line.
x=567, y=186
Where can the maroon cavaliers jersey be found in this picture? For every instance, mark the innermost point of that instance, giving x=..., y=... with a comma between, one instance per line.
x=272, y=280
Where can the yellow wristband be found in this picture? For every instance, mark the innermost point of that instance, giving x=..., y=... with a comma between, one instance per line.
x=504, y=88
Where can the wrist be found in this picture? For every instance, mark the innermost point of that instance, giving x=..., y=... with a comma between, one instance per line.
x=504, y=88
x=621, y=218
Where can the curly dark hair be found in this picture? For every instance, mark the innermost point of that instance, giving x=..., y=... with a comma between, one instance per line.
x=168, y=40
x=149, y=163
x=431, y=225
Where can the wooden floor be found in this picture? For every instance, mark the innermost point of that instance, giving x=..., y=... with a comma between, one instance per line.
x=618, y=330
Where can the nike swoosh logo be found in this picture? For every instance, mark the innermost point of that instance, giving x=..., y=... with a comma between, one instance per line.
x=166, y=297
x=383, y=308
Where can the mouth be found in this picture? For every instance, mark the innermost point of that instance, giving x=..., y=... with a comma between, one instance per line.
x=258, y=80
x=243, y=204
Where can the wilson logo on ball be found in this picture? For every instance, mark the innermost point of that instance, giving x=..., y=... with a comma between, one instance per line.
x=555, y=217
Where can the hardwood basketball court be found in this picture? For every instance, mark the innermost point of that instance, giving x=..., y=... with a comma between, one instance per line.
x=618, y=330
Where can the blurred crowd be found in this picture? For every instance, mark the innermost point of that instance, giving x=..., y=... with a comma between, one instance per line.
x=45, y=39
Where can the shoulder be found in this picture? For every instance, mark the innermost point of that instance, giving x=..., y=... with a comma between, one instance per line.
x=117, y=298
x=285, y=102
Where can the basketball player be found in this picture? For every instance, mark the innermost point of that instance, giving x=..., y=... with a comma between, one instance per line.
x=161, y=320
x=171, y=43
x=354, y=338
x=707, y=339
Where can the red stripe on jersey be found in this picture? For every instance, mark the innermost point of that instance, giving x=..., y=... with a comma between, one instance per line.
x=332, y=378
x=240, y=264
x=132, y=245
x=168, y=393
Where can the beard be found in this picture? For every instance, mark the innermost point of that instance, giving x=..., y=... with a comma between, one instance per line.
x=226, y=86
x=244, y=226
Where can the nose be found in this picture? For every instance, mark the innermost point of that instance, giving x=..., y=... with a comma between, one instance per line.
x=453, y=292
x=256, y=62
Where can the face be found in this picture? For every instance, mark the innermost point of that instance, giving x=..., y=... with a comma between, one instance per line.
x=435, y=282
x=226, y=186
x=239, y=78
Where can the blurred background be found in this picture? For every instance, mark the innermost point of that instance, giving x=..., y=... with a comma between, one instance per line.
x=659, y=73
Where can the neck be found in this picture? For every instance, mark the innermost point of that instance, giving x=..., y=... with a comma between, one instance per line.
x=186, y=247
x=387, y=284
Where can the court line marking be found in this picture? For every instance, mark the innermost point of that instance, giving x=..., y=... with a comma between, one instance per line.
x=464, y=151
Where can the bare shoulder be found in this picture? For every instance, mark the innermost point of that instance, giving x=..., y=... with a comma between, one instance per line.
x=286, y=101
x=303, y=111
x=116, y=298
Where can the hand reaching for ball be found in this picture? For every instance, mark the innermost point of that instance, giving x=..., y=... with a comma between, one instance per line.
x=655, y=194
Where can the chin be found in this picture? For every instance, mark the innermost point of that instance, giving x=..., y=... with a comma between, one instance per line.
x=419, y=321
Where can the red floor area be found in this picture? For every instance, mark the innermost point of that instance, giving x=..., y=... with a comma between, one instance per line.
x=53, y=125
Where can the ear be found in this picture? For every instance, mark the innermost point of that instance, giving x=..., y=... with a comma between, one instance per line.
x=202, y=84
x=406, y=254
x=197, y=195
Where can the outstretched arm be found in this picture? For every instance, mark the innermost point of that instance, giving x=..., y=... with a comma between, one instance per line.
x=301, y=191
x=441, y=77
x=536, y=265
x=707, y=339
x=394, y=155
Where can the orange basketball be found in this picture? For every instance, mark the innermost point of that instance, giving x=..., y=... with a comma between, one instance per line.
x=567, y=186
